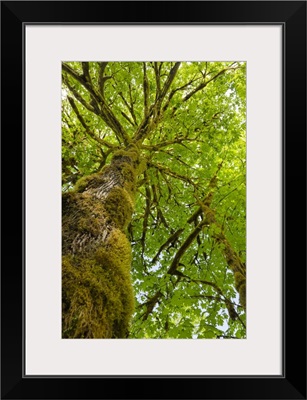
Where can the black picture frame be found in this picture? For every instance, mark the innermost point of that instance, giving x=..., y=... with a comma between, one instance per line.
x=292, y=383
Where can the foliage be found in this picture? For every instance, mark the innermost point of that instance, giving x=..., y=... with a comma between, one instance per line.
x=188, y=227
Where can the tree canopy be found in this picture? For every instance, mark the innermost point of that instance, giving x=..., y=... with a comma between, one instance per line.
x=188, y=226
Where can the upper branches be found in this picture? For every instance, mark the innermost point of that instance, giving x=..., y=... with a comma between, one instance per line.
x=87, y=129
x=152, y=113
x=97, y=104
x=205, y=82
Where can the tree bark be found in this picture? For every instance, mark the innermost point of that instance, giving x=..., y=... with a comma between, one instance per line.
x=97, y=293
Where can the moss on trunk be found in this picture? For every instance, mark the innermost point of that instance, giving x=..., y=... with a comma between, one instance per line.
x=97, y=293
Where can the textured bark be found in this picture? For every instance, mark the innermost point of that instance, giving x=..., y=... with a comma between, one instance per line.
x=97, y=294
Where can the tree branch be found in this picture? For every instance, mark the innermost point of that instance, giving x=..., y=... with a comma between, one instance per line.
x=127, y=118
x=101, y=78
x=169, y=172
x=174, y=91
x=153, y=115
x=81, y=79
x=86, y=72
x=150, y=304
x=87, y=130
x=208, y=198
x=205, y=83
x=183, y=248
x=178, y=140
x=98, y=99
x=170, y=241
x=232, y=258
x=158, y=81
x=130, y=108
x=147, y=213
x=79, y=97
x=169, y=80
x=146, y=91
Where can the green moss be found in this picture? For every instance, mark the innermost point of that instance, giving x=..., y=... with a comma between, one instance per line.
x=239, y=279
x=129, y=175
x=242, y=293
x=119, y=207
x=97, y=294
x=240, y=284
x=132, y=154
x=93, y=180
x=116, y=252
x=142, y=165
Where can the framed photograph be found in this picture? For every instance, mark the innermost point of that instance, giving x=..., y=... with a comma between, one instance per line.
x=161, y=159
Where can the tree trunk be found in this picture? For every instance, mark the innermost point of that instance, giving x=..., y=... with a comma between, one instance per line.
x=97, y=293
